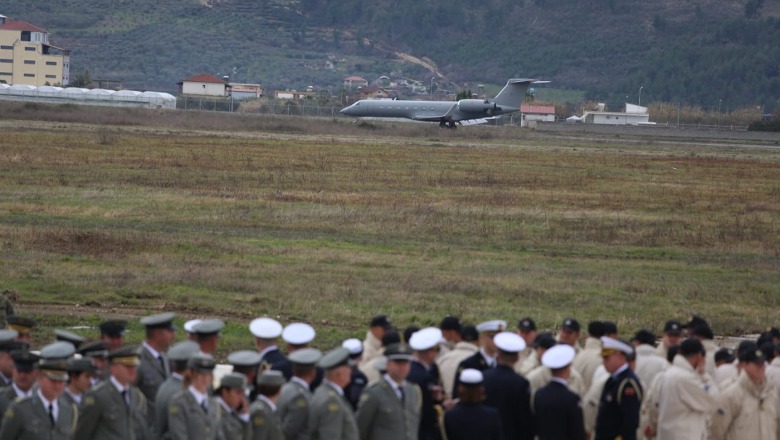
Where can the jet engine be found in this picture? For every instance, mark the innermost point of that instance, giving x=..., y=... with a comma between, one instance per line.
x=477, y=106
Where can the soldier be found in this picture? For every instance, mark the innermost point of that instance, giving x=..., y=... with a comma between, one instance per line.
x=115, y=409
x=179, y=356
x=233, y=407
x=748, y=408
x=558, y=410
x=726, y=372
x=97, y=352
x=699, y=329
x=358, y=380
x=330, y=416
x=486, y=356
x=569, y=334
x=470, y=419
x=24, y=326
x=246, y=362
x=450, y=331
x=207, y=334
x=390, y=407
x=154, y=367
x=8, y=343
x=189, y=328
x=297, y=336
x=44, y=414
x=113, y=332
x=266, y=332
x=192, y=415
x=80, y=372
x=265, y=423
x=370, y=370
x=540, y=344
x=618, y=414
x=541, y=375
x=648, y=363
x=448, y=362
x=588, y=360
x=372, y=345
x=509, y=392
x=526, y=328
x=425, y=374
x=24, y=376
x=672, y=334
x=69, y=336
x=292, y=406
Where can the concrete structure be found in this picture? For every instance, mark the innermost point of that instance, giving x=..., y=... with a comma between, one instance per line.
x=293, y=95
x=246, y=91
x=530, y=114
x=634, y=115
x=204, y=85
x=354, y=82
x=27, y=57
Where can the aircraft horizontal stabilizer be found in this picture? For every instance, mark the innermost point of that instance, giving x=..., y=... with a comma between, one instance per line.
x=467, y=122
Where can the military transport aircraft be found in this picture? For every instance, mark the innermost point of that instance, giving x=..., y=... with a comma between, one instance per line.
x=447, y=113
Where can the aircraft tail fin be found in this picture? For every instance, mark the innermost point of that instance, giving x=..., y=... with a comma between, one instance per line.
x=513, y=92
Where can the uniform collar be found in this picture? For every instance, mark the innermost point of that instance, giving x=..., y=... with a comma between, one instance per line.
x=21, y=393
x=268, y=402
x=155, y=353
x=267, y=350
x=334, y=386
x=620, y=370
x=199, y=397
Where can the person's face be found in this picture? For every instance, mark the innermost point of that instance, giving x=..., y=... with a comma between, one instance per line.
x=756, y=371
x=451, y=335
x=233, y=397
x=81, y=383
x=567, y=336
x=672, y=339
x=378, y=331
x=613, y=362
x=342, y=375
x=528, y=336
x=398, y=369
x=201, y=380
x=6, y=364
x=50, y=388
x=125, y=374
x=486, y=342
x=25, y=379
x=428, y=356
x=114, y=341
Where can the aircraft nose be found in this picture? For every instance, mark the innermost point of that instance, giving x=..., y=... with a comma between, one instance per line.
x=347, y=110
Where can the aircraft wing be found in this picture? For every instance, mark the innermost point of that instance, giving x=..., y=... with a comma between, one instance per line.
x=428, y=117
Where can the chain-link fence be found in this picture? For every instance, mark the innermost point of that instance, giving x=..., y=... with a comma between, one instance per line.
x=269, y=107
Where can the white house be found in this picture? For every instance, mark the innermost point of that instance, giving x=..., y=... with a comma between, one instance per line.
x=204, y=85
x=533, y=113
x=634, y=115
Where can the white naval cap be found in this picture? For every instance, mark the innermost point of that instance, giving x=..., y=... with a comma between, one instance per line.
x=265, y=328
x=298, y=333
x=425, y=339
x=558, y=356
x=491, y=326
x=612, y=345
x=471, y=376
x=354, y=346
x=509, y=342
x=189, y=326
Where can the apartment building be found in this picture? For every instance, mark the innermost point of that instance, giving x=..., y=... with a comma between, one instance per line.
x=27, y=57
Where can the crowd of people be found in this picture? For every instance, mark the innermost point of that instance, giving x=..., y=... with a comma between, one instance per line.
x=451, y=382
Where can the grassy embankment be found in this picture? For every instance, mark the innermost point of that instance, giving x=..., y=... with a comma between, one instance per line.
x=332, y=229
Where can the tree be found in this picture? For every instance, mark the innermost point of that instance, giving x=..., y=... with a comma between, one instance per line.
x=82, y=80
x=463, y=94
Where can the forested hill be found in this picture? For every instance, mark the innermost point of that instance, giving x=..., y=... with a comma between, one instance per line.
x=691, y=51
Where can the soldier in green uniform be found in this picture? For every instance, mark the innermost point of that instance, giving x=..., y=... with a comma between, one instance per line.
x=23, y=325
x=45, y=415
x=265, y=423
x=233, y=407
x=113, y=332
x=69, y=336
x=115, y=409
x=154, y=368
x=390, y=407
x=96, y=351
x=25, y=375
x=80, y=372
x=192, y=414
x=330, y=415
x=293, y=404
x=179, y=356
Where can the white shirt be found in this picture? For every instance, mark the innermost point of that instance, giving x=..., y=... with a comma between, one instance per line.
x=199, y=397
x=76, y=397
x=334, y=386
x=121, y=388
x=491, y=361
x=21, y=393
x=55, y=408
x=155, y=353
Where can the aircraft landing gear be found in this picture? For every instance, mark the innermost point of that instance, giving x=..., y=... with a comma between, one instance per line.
x=442, y=123
x=452, y=125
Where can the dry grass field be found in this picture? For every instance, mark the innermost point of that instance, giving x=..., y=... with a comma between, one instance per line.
x=124, y=213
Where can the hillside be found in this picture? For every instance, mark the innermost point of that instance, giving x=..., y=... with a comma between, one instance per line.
x=690, y=51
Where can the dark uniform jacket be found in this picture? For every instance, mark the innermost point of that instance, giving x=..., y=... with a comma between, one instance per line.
x=357, y=383
x=475, y=361
x=265, y=424
x=618, y=414
x=28, y=419
x=510, y=394
x=425, y=379
x=383, y=416
x=558, y=413
x=104, y=414
x=472, y=421
x=275, y=360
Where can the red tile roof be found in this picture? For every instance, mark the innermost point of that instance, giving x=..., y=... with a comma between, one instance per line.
x=538, y=109
x=205, y=78
x=21, y=25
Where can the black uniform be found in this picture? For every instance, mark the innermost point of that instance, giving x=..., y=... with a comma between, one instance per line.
x=475, y=361
x=558, y=413
x=510, y=394
x=619, y=407
x=357, y=382
x=471, y=421
x=426, y=379
x=279, y=362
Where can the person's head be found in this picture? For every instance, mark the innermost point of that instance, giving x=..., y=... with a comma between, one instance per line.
x=558, y=359
x=752, y=361
x=52, y=377
x=596, y=329
x=25, y=368
x=298, y=335
x=724, y=356
x=180, y=353
x=526, y=328
x=425, y=344
x=390, y=337
x=542, y=343
x=231, y=389
x=450, y=329
x=643, y=337
x=569, y=333
x=355, y=348
x=23, y=326
x=123, y=364
x=160, y=330
x=269, y=384
x=614, y=353
x=693, y=351
x=80, y=373
x=336, y=366
x=245, y=362
x=409, y=331
x=398, y=362
x=509, y=346
x=469, y=334
x=470, y=386
x=487, y=330
x=97, y=352
x=304, y=363
x=672, y=333
x=379, y=325
x=200, y=371
x=610, y=329
x=207, y=334
x=266, y=331
x=113, y=332
x=701, y=332
x=8, y=343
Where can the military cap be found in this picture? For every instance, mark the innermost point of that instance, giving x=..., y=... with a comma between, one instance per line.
x=298, y=333
x=334, y=358
x=68, y=336
x=21, y=324
x=160, y=320
x=471, y=377
x=24, y=360
x=8, y=340
x=509, y=342
x=644, y=337
x=208, y=327
x=202, y=362
x=491, y=326
x=189, y=326
x=305, y=356
x=380, y=364
x=127, y=355
x=54, y=369
x=544, y=340
x=183, y=351
x=673, y=327
x=425, y=339
x=80, y=365
x=750, y=352
x=597, y=329
x=691, y=346
x=233, y=380
x=610, y=346
x=696, y=321
x=244, y=358
x=526, y=324
x=380, y=321
x=113, y=327
x=354, y=346
x=271, y=378
x=725, y=355
x=571, y=324
x=58, y=350
x=95, y=349
x=398, y=352
x=450, y=323
x=265, y=328
x=558, y=357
